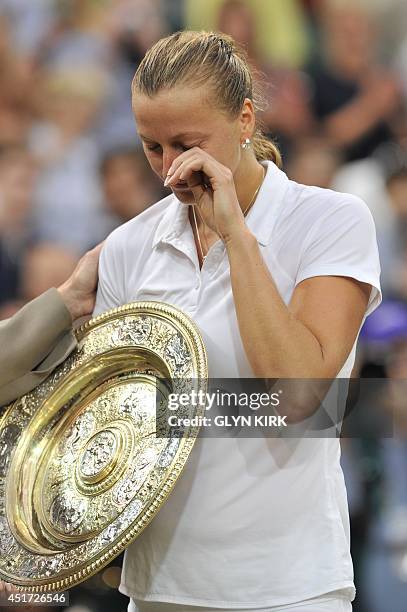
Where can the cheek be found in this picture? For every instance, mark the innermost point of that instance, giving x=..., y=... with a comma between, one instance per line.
x=155, y=162
x=229, y=155
x=229, y=150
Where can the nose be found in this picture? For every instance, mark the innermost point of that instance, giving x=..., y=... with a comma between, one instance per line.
x=169, y=156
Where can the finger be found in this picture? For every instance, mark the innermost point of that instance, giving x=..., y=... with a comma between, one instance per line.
x=215, y=175
x=95, y=252
x=200, y=163
x=184, y=170
x=190, y=171
x=98, y=247
x=177, y=162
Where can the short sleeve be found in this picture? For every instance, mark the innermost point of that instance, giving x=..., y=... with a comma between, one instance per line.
x=343, y=242
x=110, y=286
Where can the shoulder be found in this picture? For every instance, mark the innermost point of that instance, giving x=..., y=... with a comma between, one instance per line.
x=122, y=253
x=321, y=231
x=309, y=208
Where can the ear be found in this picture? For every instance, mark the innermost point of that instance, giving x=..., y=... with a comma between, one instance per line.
x=247, y=119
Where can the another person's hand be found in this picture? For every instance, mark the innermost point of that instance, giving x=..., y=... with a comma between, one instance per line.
x=79, y=291
x=7, y=588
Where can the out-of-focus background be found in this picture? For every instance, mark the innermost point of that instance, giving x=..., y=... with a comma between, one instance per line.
x=72, y=169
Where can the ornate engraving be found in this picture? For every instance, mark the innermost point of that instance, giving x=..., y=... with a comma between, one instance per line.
x=176, y=350
x=6, y=538
x=67, y=512
x=48, y=566
x=139, y=404
x=124, y=492
x=8, y=439
x=132, y=331
x=169, y=453
x=81, y=429
x=98, y=453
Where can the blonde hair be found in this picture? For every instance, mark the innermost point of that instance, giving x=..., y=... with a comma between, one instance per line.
x=200, y=58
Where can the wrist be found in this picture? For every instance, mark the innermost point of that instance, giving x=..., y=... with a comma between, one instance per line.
x=241, y=237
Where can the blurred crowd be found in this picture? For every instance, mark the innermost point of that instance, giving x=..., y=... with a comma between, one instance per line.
x=334, y=99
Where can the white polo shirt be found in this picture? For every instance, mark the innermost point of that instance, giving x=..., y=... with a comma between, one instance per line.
x=260, y=521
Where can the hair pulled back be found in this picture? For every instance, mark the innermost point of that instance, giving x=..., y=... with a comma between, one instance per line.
x=206, y=58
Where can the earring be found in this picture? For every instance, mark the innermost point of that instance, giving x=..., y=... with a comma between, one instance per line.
x=246, y=144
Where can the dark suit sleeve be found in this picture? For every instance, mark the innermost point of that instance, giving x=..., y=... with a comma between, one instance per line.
x=32, y=343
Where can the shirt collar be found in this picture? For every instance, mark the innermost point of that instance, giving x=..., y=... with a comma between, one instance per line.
x=173, y=222
x=260, y=219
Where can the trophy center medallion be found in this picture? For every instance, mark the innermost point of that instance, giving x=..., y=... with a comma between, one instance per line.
x=99, y=457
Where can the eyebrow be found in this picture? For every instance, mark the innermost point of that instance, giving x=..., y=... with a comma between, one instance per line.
x=178, y=136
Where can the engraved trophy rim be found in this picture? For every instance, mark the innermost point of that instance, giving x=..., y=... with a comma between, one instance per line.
x=82, y=472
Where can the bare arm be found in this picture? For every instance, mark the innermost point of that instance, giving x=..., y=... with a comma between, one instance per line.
x=374, y=104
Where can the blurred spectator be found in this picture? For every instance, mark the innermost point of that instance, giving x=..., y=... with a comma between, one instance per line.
x=354, y=97
x=68, y=199
x=313, y=161
x=136, y=30
x=17, y=176
x=390, y=15
x=384, y=585
x=41, y=267
x=281, y=27
x=401, y=65
x=395, y=269
x=45, y=266
x=397, y=190
x=17, y=78
x=285, y=114
x=79, y=35
x=29, y=22
x=392, y=236
x=128, y=183
x=131, y=32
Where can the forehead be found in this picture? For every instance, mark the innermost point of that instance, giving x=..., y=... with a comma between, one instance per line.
x=177, y=110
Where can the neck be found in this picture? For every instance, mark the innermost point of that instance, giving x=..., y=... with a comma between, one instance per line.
x=248, y=178
x=247, y=182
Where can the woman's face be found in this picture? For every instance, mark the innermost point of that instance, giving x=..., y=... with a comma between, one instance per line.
x=178, y=119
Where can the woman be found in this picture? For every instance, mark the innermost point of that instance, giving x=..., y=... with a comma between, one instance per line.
x=278, y=277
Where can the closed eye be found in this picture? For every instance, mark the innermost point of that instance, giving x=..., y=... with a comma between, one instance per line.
x=157, y=147
x=153, y=147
